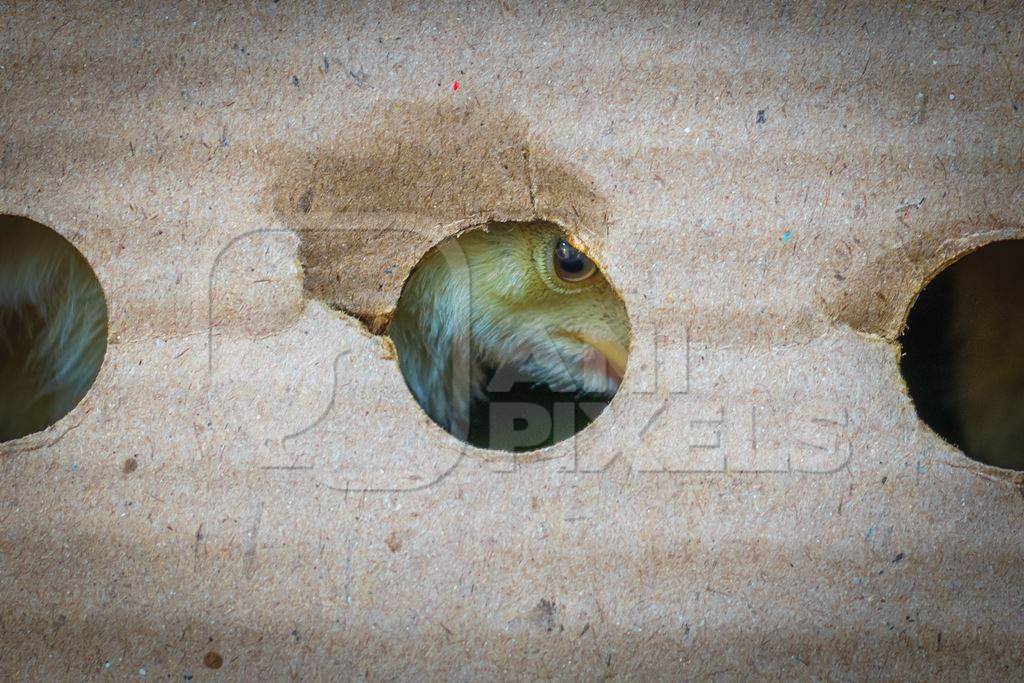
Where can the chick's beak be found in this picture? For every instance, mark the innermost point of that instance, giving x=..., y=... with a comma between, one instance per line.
x=611, y=352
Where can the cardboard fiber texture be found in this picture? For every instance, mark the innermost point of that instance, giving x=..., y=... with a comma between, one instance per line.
x=249, y=489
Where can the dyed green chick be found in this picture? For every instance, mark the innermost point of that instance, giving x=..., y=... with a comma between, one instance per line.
x=509, y=294
x=53, y=322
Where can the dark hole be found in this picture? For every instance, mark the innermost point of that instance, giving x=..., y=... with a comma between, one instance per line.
x=963, y=354
x=502, y=417
x=53, y=327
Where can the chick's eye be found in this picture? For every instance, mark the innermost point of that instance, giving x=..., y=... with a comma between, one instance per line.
x=571, y=265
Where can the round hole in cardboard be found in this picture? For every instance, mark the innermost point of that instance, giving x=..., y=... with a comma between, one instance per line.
x=53, y=326
x=510, y=337
x=963, y=354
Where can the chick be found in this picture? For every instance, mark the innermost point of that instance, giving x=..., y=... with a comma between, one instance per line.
x=53, y=322
x=514, y=295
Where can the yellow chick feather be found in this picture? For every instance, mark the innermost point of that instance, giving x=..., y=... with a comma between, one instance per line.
x=492, y=297
x=53, y=322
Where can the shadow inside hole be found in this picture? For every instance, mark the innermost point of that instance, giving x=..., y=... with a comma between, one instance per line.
x=521, y=415
x=53, y=327
x=963, y=354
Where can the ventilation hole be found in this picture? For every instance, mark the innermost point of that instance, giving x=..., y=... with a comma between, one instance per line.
x=53, y=327
x=963, y=354
x=510, y=338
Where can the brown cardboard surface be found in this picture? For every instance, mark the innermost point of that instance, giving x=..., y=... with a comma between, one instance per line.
x=767, y=185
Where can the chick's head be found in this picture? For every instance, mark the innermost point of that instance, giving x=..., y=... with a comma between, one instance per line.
x=517, y=296
x=537, y=302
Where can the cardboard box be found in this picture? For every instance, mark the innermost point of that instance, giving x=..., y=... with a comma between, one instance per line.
x=250, y=491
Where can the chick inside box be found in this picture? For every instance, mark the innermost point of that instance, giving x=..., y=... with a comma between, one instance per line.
x=511, y=340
